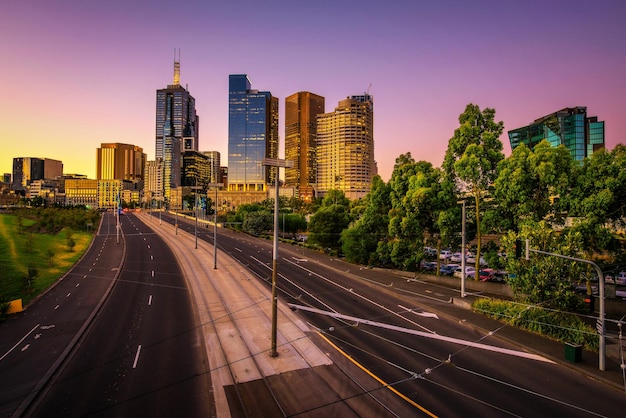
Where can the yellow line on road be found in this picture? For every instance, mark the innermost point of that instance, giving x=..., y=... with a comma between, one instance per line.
x=378, y=379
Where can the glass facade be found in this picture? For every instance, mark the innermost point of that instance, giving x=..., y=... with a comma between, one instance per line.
x=569, y=127
x=177, y=126
x=301, y=111
x=252, y=136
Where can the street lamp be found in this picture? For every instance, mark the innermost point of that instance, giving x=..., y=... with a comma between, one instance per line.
x=216, y=186
x=275, y=162
x=196, y=188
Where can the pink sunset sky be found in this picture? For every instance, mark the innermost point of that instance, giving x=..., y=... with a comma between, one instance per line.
x=79, y=73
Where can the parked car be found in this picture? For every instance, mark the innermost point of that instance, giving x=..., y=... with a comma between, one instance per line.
x=448, y=270
x=444, y=254
x=430, y=252
x=428, y=265
x=486, y=275
x=469, y=272
x=621, y=278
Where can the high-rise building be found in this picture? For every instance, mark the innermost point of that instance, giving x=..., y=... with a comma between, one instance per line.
x=196, y=170
x=252, y=136
x=301, y=111
x=28, y=169
x=345, y=148
x=177, y=126
x=570, y=127
x=216, y=169
x=115, y=161
x=153, y=180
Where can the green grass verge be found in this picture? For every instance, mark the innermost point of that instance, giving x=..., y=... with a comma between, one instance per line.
x=559, y=326
x=49, y=254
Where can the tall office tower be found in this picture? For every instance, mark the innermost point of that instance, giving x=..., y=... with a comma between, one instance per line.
x=177, y=125
x=301, y=111
x=570, y=127
x=196, y=170
x=115, y=161
x=345, y=148
x=153, y=180
x=252, y=136
x=215, y=162
x=28, y=169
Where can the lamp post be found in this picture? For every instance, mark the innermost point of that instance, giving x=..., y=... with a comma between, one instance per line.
x=196, y=188
x=216, y=186
x=275, y=162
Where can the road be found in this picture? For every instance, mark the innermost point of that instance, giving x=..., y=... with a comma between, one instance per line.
x=441, y=365
x=34, y=343
x=143, y=355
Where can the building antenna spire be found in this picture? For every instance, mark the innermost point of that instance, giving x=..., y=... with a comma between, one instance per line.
x=176, y=68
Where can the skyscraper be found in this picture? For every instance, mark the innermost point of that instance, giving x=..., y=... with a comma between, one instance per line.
x=120, y=162
x=570, y=127
x=252, y=136
x=301, y=111
x=177, y=127
x=345, y=148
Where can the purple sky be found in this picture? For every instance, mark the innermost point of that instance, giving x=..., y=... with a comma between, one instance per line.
x=78, y=73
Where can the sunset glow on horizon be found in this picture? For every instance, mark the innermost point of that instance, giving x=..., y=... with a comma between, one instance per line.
x=78, y=74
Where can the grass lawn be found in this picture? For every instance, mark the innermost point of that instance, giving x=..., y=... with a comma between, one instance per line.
x=48, y=254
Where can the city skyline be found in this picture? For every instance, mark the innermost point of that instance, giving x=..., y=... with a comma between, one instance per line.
x=79, y=74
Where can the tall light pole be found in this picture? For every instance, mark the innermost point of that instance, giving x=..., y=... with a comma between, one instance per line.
x=463, y=250
x=216, y=186
x=275, y=162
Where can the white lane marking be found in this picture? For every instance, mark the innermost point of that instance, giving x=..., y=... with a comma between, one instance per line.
x=424, y=334
x=299, y=259
x=56, y=307
x=151, y=258
x=68, y=295
x=19, y=342
x=148, y=245
x=422, y=313
x=152, y=273
x=150, y=300
x=137, y=356
x=77, y=284
x=237, y=249
x=84, y=277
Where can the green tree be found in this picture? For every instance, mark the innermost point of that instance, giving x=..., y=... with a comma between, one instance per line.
x=546, y=280
x=533, y=185
x=330, y=220
x=257, y=222
x=599, y=198
x=472, y=158
x=360, y=242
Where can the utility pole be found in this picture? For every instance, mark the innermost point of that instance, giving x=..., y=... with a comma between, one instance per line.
x=275, y=162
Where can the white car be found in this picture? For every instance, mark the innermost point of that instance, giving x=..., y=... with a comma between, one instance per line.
x=469, y=272
x=445, y=254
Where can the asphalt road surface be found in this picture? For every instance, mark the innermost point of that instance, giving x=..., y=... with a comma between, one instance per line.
x=143, y=355
x=441, y=365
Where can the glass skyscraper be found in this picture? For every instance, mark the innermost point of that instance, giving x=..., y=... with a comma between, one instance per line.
x=301, y=111
x=570, y=127
x=177, y=127
x=252, y=136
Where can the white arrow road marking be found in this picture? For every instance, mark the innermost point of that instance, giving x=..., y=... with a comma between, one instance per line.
x=25, y=347
x=422, y=313
x=424, y=334
x=19, y=342
x=300, y=259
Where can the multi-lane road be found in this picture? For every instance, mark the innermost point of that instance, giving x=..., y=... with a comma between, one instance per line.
x=440, y=365
x=142, y=355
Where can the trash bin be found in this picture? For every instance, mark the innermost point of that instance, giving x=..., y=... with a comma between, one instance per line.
x=573, y=352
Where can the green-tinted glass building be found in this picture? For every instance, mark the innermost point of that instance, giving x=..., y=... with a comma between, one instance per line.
x=570, y=127
x=252, y=136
